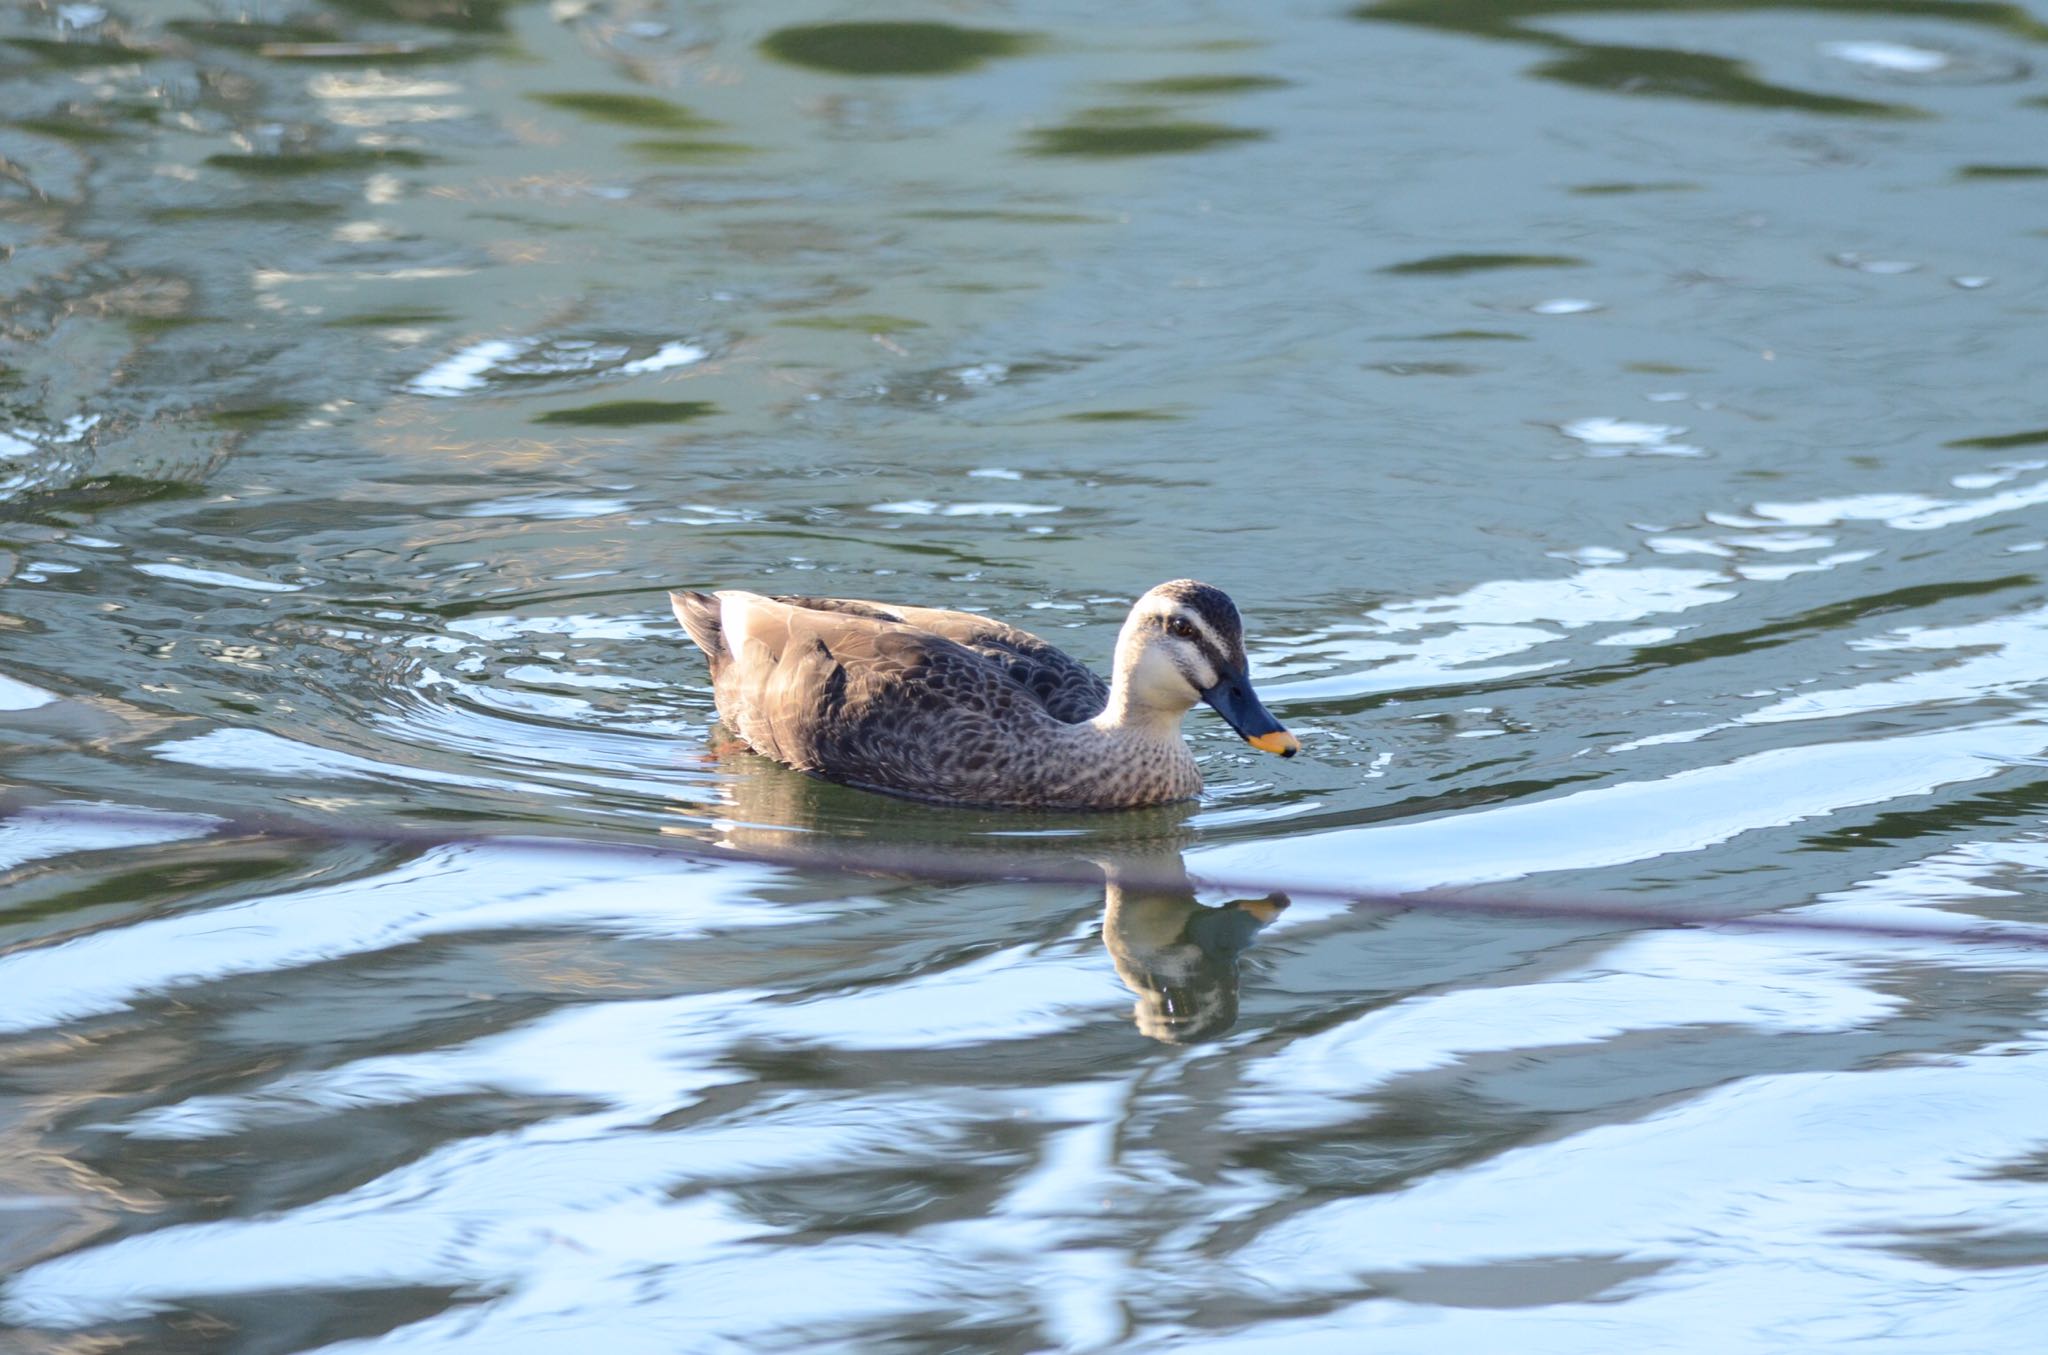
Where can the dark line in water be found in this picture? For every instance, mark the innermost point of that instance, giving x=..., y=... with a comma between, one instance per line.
x=841, y=856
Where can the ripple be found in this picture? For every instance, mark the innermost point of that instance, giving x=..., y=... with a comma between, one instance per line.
x=1910, y=63
x=1686, y=812
x=260, y=753
x=44, y=832
x=1605, y=436
x=497, y=362
x=1906, y=512
x=931, y=508
x=216, y=578
x=463, y=371
x=1893, y=58
x=1878, y=267
x=548, y=508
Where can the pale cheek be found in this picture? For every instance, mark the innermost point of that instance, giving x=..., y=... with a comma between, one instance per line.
x=1160, y=683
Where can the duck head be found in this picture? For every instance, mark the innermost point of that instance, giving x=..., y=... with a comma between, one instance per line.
x=1183, y=643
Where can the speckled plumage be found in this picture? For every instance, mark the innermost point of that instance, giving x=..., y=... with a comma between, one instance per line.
x=940, y=705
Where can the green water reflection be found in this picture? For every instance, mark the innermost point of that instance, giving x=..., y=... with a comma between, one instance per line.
x=1135, y=131
x=628, y=110
x=630, y=412
x=1687, y=74
x=897, y=48
x=1479, y=263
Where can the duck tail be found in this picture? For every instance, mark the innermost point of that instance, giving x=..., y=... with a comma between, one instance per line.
x=700, y=615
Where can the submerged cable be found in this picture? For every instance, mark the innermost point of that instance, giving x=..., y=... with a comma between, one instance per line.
x=1089, y=869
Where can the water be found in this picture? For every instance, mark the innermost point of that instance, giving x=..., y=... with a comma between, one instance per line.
x=1618, y=423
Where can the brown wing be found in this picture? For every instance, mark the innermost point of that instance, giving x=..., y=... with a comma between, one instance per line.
x=1056, y=680
x=857, y=697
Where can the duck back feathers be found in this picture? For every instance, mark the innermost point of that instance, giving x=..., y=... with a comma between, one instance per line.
x=888, y=698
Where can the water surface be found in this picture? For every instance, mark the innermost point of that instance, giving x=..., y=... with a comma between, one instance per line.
x=1617, y=423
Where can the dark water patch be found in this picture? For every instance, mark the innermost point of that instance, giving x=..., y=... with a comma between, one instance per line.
x=279, y=1322
x=865, y=1201
x=1974, y=1249
x=1108, y=132
x=1832, y=616
x=2030, y=1167
x=390, y=319
x=1199, y=85
x=1998, y=442
x=1521, y=1283
x=293, y=163
x=1618, y=188
x=1648, y=658
x=472, y=16
x=893, y=48
x=1659, y=368
x=688, y=150
x=150, y=326
x=1121, y=416
x=1509, y=18
x=2014, y=804
x=167, y=881
x=628, y=110
x=1473, y=336
x=261, y=209
x=253, y=415
x=1398, y=1138
x=863, y=324
x=941, y=1331
x=79, y=55
x=98, y=493
x=249, y=34
x=1480, y=263
x=1702, y=76
x=2003, y=172
x=1672, y=73
x=626, y=413
x=881, y=536
x=285, y=1166
x=71, y=129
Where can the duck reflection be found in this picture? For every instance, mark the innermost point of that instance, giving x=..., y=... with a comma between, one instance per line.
x=1177, y=954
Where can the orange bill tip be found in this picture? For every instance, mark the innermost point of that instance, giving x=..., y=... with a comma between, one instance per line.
x=1265, y=910
x=1279, y=741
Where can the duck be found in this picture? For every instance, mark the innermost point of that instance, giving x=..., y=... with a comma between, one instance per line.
x=963, y=709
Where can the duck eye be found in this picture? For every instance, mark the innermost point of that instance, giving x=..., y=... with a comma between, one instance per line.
x=1181, y=628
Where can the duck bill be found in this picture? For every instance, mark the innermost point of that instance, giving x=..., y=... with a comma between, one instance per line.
x=1234, y=699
